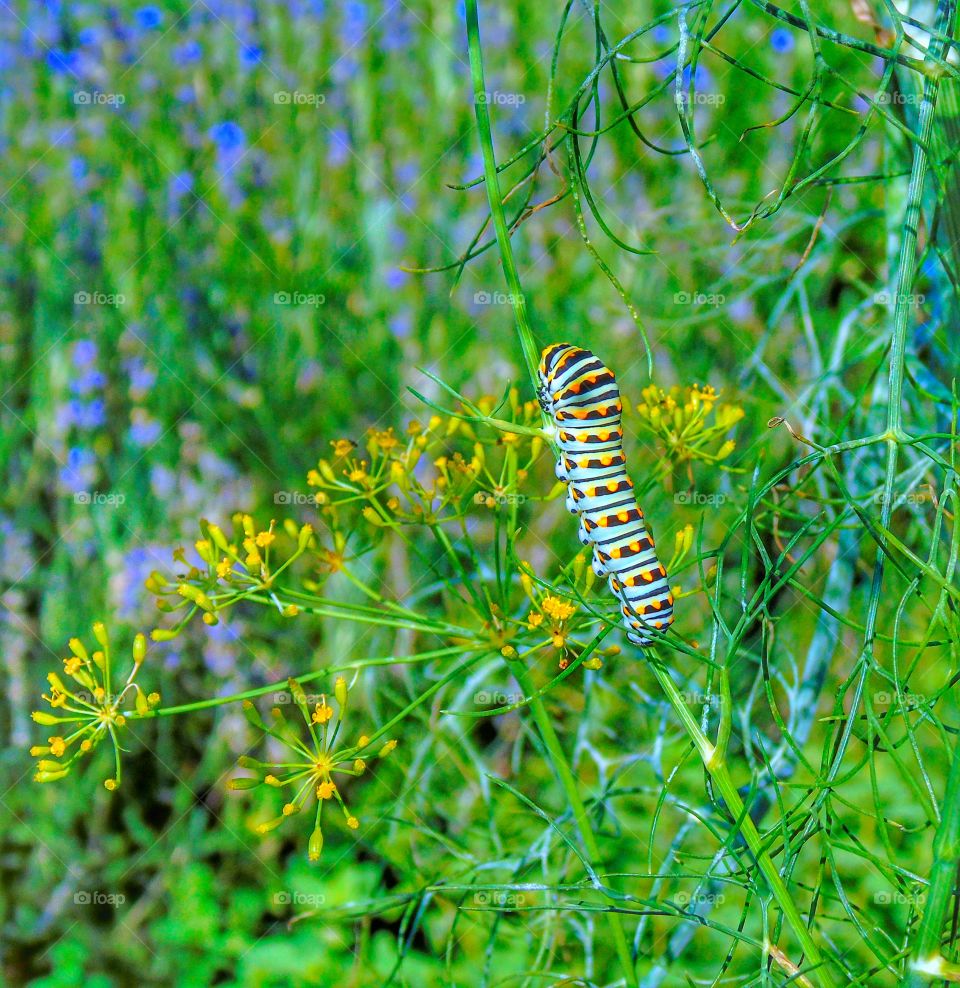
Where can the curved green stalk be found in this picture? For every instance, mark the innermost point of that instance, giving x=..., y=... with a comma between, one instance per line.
x=571, y=789
x=481, y=106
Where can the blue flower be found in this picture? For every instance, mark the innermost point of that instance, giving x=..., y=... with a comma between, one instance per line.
x=88, y=36
x=395, y=278
x=78, y=169
x=144, y=431
x=781, y=40
x=250, y=55
x=62, y=62
x=187, y=53
x=661, y=34
x=84, y=353
x=88, y=415
x=180, y=185
x=228, y=136
x=148, y=18
x=91, y=380
x=79, y=469
x=401, y=325
x=338, y=151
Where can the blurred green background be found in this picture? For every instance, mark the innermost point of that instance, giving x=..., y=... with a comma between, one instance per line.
x=208, y=210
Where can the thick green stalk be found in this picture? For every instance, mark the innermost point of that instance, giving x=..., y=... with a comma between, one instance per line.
x=927, y=959
x=716, y=765
x=481, y=106
x=571, y=789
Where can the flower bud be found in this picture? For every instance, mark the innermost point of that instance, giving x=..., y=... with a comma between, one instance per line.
x=100, y=633
x=315, y=845
x=139, y=649
x=240, y=783
x=303, y=539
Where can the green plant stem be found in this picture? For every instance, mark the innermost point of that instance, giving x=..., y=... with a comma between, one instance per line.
x=571, y=789
x=717, y=767
x=481, y=107
x=530, y=355
x=927, y=959
x=282, y=684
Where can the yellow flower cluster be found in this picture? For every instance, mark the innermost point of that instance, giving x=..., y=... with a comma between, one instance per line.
x=314, y=762
x=433, y=472
x=555, y=616
x=228, y=568
x=91, y=708
x=689, y=423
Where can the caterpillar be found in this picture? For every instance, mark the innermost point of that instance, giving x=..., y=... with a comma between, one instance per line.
x=581, y=396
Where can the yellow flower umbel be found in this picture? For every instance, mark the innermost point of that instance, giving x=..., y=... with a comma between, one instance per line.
x=229, y=569
x=432, y=473
x=689, y=423
x=555, y=616
x=315, y=763
x=90, y=710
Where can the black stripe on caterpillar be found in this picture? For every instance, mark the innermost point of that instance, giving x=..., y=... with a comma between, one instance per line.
x=581, y=396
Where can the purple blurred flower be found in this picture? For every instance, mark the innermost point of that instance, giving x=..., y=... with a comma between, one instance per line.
x=163, y=482
x=395, y=278
x=88, y=414
x=189, y=52
x=90, y=380
x=84, y=353
x=80, y=469
x=144, y=431
x=661, y=34
x=401, y=325
x=338, y=150
x=142, y=378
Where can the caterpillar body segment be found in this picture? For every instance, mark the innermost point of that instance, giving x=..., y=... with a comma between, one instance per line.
x=581, y=396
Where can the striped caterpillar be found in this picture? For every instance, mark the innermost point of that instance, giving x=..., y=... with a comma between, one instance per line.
x=581, y=395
